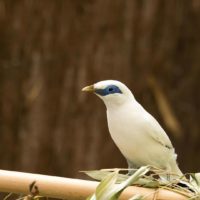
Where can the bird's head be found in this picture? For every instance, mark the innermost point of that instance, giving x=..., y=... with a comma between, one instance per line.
x=112, y=92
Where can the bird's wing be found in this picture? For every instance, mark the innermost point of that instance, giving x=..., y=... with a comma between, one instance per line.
x=156, y=132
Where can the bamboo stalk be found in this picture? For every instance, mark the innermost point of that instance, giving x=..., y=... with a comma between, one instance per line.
x=71, y=189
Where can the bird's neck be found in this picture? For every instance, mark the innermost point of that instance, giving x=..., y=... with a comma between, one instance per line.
x=118, y=105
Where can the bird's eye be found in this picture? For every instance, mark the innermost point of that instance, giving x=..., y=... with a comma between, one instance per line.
x=110, y=89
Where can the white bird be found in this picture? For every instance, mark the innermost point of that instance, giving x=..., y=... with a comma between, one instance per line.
x=137, y=134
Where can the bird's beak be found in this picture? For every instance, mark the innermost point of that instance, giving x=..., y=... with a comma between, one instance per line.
x=89, y=88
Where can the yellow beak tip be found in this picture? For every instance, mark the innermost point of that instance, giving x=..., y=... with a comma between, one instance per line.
x=89, y=88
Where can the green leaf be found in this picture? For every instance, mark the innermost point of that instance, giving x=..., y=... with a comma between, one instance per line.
x=109, y=190
x=102, y=190
x=101, y=174
x=194, y=183
x=140, y=172
x=196, y=177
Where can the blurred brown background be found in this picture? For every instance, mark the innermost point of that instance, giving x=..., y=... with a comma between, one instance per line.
x=50, y=49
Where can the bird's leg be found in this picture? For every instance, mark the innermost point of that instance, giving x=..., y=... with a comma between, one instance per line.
x=131, y=167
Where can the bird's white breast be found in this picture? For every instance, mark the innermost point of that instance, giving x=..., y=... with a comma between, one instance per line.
x=130, y=133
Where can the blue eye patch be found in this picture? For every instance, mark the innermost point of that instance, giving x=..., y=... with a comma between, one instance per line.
x=111, y=89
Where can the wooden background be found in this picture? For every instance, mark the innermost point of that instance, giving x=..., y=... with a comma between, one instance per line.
x=50, y=49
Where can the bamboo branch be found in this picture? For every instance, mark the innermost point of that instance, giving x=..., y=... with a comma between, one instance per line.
x=67, y=188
